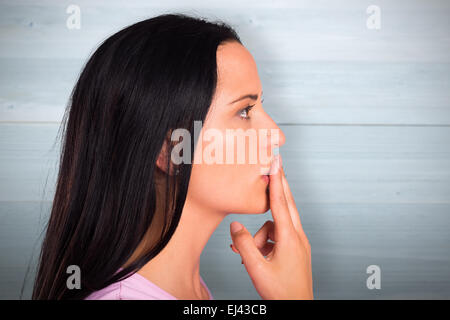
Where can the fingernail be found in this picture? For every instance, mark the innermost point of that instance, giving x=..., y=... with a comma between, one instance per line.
x=235, y=226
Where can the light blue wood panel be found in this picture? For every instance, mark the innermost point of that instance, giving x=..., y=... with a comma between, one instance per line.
x=294, y=91
x=28, y=161
x=21, y=229
x=366, y=195
x=300, y=92
x=36, y=89
x=361, y=164
x=290, y=30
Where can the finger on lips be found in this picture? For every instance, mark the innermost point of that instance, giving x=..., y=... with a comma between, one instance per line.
x=296, y=221
x=278, y=203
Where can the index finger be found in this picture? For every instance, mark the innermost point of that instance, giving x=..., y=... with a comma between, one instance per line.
x=278, y=201
x=292, y=207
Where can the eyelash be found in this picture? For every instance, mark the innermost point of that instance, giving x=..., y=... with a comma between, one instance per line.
x=247, y=109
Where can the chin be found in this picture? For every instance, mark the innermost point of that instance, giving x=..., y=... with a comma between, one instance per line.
x=258, y=205
x=266, y=206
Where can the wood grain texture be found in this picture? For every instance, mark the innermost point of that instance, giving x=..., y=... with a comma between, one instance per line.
x=366, y=115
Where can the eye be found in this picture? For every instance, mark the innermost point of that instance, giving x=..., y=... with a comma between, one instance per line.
x=244, y=112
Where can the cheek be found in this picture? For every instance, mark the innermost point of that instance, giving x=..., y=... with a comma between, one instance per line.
x=220, y=186
x=228, y=188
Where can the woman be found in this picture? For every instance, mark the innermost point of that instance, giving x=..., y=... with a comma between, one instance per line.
x=133, y=220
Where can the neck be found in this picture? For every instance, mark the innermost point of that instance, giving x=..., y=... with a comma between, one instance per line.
x=176, y=268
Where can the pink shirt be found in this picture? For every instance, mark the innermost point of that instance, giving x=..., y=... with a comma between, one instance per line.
x=135, y=287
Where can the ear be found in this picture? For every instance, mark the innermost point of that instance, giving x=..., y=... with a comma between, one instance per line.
x=161, y=161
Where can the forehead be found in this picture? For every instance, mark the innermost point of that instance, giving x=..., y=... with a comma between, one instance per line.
x=237, y=72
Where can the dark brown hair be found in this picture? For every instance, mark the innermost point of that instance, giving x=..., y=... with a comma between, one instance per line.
x=140, y=84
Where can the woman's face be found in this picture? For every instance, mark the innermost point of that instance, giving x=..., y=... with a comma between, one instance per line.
x=233, y=186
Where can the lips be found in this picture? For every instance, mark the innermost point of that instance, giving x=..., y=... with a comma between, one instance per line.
x=265, y=175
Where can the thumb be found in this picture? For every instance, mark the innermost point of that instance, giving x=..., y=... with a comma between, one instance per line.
x=245, y=244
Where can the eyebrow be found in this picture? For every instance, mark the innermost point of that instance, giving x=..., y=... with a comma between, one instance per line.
x=251, y=96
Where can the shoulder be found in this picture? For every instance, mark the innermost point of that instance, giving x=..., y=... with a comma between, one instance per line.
x=135, y=287
x=111, y=292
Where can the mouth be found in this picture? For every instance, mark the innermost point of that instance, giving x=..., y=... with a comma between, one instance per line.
x=265, y=176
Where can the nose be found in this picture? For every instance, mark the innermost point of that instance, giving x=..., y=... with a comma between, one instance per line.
x=277, y=137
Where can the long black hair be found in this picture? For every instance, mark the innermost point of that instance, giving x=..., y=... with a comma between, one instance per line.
x=139, y=85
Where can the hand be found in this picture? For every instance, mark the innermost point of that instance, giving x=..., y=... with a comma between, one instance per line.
x=280, y=269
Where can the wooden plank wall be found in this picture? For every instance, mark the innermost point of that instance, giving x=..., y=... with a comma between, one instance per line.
x=366, y=115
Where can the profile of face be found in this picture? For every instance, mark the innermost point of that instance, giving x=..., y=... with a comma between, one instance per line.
x=233, y=186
